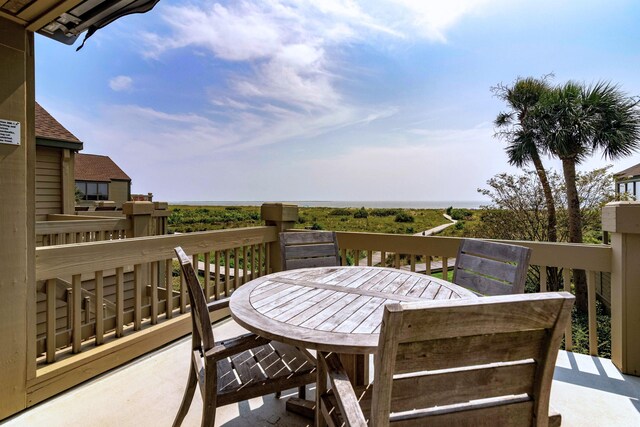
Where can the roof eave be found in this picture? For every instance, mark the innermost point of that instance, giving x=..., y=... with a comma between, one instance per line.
x=58, y=143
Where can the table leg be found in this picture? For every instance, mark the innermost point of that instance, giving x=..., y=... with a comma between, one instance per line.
x=357, y=367
x=321, y=387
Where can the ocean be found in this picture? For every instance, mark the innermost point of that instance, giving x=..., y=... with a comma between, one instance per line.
x=434, y=204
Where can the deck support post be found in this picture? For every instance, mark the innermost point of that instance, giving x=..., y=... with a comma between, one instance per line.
x=283, y=216
x=17, y=216
x=622, y=221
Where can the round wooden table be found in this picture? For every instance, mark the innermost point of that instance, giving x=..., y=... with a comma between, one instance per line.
x=335, y=309
x=331, y=308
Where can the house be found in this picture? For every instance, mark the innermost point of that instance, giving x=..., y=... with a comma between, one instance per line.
x=56, y=149
x=61, y=170
x=99, y=178
x=628, y=181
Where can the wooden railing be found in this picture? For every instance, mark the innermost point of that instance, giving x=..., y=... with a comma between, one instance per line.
x=102, y=303
x=61, y=229
x=66, y=229
x=406, y=251
x=133, y=280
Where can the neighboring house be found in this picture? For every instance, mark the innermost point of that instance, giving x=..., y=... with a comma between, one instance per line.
x=628, y=181
x=98, y=178
x=56, y=148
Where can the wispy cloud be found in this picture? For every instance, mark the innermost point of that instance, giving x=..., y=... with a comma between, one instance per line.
x=121, y=83
x=291, y=53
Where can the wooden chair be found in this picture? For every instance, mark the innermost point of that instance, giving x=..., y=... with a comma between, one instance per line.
x=468, y=362
x=303, y=249
x=237, y=369
x=491, y=268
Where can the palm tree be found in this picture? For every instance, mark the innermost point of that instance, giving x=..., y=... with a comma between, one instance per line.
x=522, y=135
x=578, y=120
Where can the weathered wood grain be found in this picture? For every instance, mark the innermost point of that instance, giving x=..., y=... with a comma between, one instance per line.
x=490, y=364
x=331, y=308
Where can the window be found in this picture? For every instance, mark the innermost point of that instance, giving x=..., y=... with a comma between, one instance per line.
x=622, y=187
x=92, y=190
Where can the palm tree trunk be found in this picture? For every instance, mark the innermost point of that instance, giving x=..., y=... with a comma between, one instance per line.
x=552, y=234
x=575, y=229
x=553, y=277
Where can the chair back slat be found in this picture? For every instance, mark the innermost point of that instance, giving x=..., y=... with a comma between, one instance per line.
x=486, y=357
x=491, y=268
x=199, y=311
x=512, y=412
x=462, y=385
x=449, y=353
x=309, y=249
x=473, y=316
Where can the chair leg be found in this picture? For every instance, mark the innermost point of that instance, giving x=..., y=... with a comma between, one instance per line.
x=187, y=397
x=210, y=396
x=278, y=394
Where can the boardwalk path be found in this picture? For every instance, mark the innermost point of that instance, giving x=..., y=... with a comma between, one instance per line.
x=436, y=265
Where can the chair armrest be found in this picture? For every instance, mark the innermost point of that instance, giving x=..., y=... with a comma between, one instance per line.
x=343, y=390
x=218, y=304
x=235, y=345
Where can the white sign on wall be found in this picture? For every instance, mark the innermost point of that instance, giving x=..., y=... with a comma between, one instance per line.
x=9, y=132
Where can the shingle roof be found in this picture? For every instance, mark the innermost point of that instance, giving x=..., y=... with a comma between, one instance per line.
x=629, y=172
x=92, y=167
x=49, y=128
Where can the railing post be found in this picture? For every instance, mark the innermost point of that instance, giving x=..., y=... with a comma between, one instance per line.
x=139, y=216
x=160, y=216
x=283, y=216
x=622, y=221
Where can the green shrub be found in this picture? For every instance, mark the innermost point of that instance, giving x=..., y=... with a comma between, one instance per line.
x=448, y=210
x=340, y=212
x=404, y=217
x=385, y=212
x=316, y=226
x=361, y=213
x=459, y=225
x=459, y=214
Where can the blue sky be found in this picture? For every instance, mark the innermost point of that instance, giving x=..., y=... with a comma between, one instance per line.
x=324, y=100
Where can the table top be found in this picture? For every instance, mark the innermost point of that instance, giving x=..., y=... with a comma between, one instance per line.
x=331, y=308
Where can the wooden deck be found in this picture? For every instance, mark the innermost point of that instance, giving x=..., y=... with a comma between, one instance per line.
x=587, y=391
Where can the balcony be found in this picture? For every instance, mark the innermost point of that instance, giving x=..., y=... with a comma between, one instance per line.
x=587, y=391
x=102, y=303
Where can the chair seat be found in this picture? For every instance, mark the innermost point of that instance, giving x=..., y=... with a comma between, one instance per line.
x=262, y=370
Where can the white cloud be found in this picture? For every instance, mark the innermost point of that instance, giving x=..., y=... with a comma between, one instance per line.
x=121, y=83
x=432, y=19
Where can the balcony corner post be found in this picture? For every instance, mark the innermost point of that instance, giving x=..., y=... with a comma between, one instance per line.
x=283, y=216
x=622, y=221
x=139, y=217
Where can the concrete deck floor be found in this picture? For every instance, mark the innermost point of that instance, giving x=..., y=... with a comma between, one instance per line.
x=587, y=391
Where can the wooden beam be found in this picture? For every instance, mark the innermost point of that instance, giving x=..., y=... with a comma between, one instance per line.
x=44, y=17
x=17, y=218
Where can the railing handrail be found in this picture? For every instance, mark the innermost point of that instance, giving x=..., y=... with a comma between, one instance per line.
x=551, y=254
x=81, y=225
x=73, y=259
